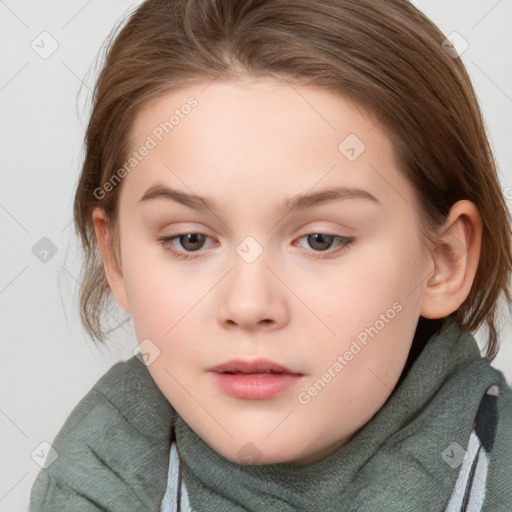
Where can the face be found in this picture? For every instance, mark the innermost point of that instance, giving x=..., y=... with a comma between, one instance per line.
x=328, y=287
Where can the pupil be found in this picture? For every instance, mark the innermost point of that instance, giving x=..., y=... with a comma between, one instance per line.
x=319, y=240
x=192, y=238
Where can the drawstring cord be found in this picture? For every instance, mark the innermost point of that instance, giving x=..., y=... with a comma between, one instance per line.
x=178, y=492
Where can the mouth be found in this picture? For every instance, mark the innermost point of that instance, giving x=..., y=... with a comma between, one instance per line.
x=254, y=373
x=256, y=367
x=254, y=380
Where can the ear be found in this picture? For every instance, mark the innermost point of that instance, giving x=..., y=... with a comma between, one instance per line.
x=111, y=265
x=455, y=260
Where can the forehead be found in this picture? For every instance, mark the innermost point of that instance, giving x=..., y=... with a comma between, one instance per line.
x=246, y=104
x=260, y=136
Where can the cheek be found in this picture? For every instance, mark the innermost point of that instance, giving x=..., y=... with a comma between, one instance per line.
x=169, y=305
x=367, y=283
x=156, y=293
x=371, y=306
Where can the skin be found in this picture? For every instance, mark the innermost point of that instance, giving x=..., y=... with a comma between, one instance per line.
x=250, y=144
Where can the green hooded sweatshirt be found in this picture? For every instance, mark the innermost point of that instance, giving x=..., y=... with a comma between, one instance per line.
x=441, y=442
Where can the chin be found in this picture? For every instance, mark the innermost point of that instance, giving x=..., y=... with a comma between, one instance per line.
x=254, y=453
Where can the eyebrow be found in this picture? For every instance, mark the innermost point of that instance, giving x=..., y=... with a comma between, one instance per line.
x=297, y=202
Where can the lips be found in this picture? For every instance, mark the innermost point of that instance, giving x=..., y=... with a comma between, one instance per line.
x=254, y=380
x=258, y=366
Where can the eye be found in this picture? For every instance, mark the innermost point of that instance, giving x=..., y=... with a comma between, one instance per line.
x=194, y=242
x=189, y=241
x=321, y=242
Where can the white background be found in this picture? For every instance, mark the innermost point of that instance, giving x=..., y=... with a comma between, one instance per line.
x=48, y=364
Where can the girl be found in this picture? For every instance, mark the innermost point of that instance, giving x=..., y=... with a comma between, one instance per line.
x=297, y=204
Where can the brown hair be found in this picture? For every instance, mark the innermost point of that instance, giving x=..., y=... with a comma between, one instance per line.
x=384, y=55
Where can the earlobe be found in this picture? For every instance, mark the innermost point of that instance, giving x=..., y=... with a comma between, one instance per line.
x=455, y=261
x=112, y=267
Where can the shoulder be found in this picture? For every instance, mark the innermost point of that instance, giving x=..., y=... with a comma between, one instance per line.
x=113, y=449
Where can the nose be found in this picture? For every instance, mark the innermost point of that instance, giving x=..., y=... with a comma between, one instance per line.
x=252, y=297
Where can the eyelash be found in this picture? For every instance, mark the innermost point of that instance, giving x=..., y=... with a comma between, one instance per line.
x=165, y=242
